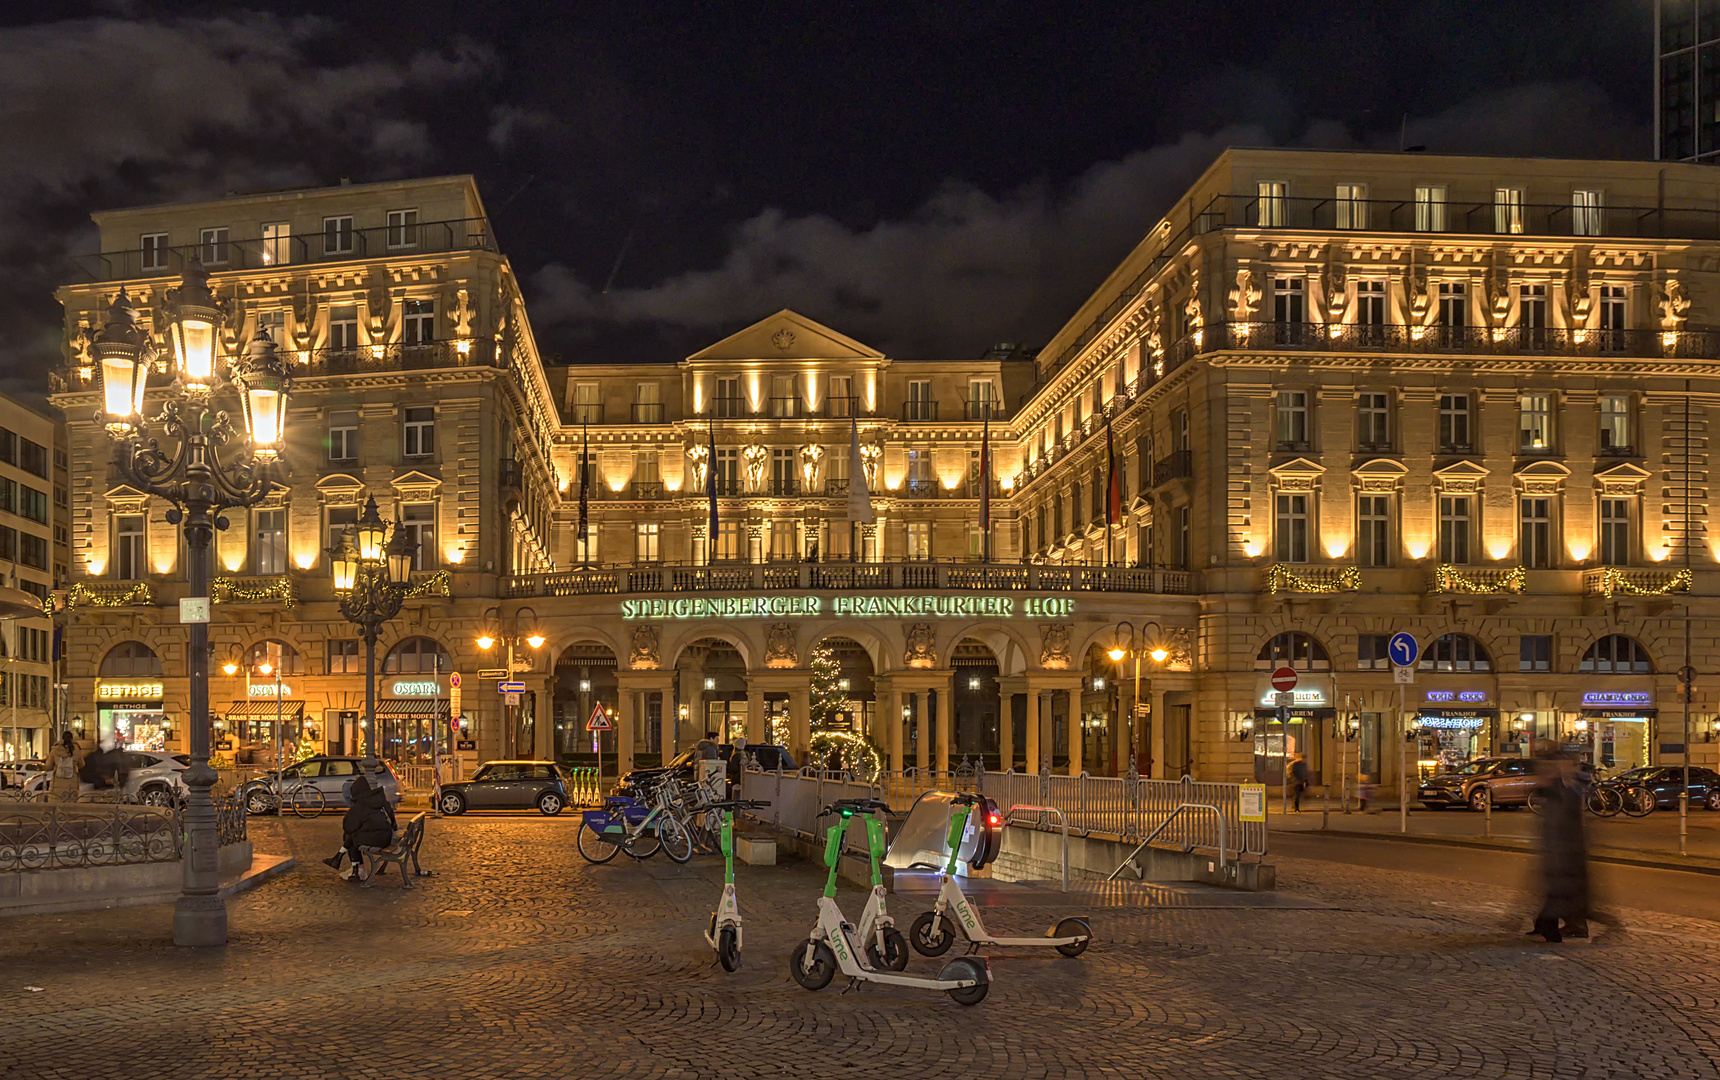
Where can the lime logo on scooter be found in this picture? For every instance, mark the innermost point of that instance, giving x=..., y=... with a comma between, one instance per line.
x=841, y=946
x=966, y=915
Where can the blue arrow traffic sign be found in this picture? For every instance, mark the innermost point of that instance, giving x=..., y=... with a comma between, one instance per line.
x=511, y=687
x=1403, y=650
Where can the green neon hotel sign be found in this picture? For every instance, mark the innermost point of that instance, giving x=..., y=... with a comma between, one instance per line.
x=812, y=607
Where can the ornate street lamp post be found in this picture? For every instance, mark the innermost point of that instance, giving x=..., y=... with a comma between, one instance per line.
x=486, y=640
x=200, y=485
x=1125, y=644
x=372, y=573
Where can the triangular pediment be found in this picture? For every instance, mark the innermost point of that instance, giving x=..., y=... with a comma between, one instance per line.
x=1624, y=473
x=415, y=480
x=1298, y=467
x=787, y=335
x=124, y=493
x=1461, y=470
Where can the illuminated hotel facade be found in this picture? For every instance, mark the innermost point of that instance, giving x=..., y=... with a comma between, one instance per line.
x=1342, y=395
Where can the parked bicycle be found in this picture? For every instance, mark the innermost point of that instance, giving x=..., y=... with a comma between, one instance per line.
x=641, y=824
x=304, y=799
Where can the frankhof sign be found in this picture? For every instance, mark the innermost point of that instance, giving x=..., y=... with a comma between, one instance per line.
x=891, y=605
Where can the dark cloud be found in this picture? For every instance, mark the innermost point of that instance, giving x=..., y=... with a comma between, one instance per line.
x=967, y=268
x=107, y=112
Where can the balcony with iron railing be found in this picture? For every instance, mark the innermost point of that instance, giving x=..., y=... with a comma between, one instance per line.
x=649, y=412
x=728, y=408
x=841, y=408
x=787, y=408
x=918, y=409
x=314, y=363
x=1177, y=465
x=983, y=409
x=646, y=489
x=810, y=576
x=583, y=412
x=511, y=475
x=273, y=253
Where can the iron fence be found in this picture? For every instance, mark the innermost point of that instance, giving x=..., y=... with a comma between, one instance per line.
x=60, y=836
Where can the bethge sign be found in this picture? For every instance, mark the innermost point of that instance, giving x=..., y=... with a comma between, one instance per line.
x=770, y=607
x=124, y=691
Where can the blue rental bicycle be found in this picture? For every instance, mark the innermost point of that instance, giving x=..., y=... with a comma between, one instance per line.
x=640, y=825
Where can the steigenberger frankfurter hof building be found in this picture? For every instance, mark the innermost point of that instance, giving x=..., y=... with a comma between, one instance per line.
x=1341, y=395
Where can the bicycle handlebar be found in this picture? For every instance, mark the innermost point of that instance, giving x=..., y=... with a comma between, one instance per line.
x=867, y=805
x=736, y=804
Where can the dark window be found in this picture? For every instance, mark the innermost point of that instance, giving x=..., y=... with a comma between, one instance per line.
x=32, y=504
x=416, y=656
x=343, y=657
x=1455, y=652
x=1616, y=654
x=130, y=658
x=1371, y=652
x=1293, y=649
x=33, y=551
x=1535, y=652
x=32, y=457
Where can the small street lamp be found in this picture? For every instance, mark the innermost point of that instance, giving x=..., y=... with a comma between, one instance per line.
x=199, y=484
x=371, y=579
x=486, y=641
x=1124, y=644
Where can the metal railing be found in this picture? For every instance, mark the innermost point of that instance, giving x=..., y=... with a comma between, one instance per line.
x=919, y=409
x=893, y=575
x=267, y=253
x=796, y=798
x=648, y=412
x=57, y=836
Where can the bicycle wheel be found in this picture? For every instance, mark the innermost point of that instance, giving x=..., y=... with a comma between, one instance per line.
x=643, y=846
x=307, y=801
x=1638, y=801
x=676, y=841
x=593, y=848
x=1605, y=802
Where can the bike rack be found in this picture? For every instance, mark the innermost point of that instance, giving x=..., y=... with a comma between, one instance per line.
x=1223, y=836
x=1061, y=820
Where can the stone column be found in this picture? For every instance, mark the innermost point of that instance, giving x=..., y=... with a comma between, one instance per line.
x=625, y=726
x=667, y=724
x=1076, y=732
x=800, y=717
x=692, y=696
x=756, y=734
x=543, y=735
x=893, y=725
x=1156, y=736
x=946, y=710
x=1047, y=728
x=922, y=731
x=1033, y=752
x=1005, y=726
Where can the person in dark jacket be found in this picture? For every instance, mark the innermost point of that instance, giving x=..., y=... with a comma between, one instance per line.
x=1564, y=852
x=1298, y=780
x=369, y=822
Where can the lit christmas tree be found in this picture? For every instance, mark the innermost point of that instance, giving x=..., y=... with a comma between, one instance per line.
x=828, y=697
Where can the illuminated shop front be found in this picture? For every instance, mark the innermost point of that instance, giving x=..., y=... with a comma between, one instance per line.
x=1453, y=726
x=1294, y=729
x=1620, y=723
x=131, y=714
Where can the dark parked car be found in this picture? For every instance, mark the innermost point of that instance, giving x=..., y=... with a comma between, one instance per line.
x=1509, y=779
x=767, y=755
x=1666, y=781
x=507, y=785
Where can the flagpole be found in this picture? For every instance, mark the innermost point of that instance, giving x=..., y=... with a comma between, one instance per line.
x=584, y=472
x=985, y=483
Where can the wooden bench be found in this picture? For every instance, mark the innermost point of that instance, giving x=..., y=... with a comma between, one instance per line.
x=404, y=849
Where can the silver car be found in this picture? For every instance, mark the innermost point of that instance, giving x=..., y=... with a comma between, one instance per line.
x=14, y=773
x=151, y=777
x=330, y=775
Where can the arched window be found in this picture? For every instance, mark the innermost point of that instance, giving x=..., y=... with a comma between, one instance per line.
x=1293, y=649
x=130, y=659
x=279, y=655
x=1616, y=654
x=1455, y=652
x=417, y=656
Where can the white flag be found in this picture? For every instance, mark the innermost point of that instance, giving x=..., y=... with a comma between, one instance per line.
x=859, y=497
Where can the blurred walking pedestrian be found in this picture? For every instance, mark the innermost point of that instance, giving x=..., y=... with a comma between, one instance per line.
x=1298, y=780
x=1564, y=851
x=65, y=761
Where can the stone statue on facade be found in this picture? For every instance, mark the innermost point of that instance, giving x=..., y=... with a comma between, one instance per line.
x=698, y=460
x=811, y=455
x=754, y=458
x=779, y=650
x=646, y=652
x=922, y=646
x=1054, y=645
x=870, y=454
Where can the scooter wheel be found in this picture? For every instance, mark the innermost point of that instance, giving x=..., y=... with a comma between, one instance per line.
x=815, y=971
x=895, y=955
x=966, y=967
x=728, y=949
x=931, y=936
x=1075, y=928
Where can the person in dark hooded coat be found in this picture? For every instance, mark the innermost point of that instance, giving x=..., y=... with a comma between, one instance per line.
x=1564, y=852
x=369, y=822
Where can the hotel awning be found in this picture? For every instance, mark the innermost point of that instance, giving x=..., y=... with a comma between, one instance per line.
x=265, y=710
x=437, y=707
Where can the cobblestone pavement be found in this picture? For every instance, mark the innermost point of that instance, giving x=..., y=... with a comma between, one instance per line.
x=519, y=960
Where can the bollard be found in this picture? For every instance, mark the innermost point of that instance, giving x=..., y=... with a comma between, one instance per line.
x=1487, y=810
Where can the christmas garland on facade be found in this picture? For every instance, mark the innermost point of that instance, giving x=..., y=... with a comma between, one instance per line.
x=226, y=590
x=1612, y=580
x=441, y=583
x=80, y=594
x=1280, y=578
x=1451, y=579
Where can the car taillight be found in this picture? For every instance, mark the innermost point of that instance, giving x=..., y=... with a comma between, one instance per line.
x=996, y=819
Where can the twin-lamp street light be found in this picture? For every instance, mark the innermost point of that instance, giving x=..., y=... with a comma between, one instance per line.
x=486, y=640
x=372, y=575
x=199, y=485
x=1124, y=645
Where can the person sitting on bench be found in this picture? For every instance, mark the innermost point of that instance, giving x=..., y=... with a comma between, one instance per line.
x=369, y=822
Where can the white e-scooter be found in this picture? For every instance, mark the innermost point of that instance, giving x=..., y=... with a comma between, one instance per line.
x=834, y=943
x=934, y=931
x=724, y=936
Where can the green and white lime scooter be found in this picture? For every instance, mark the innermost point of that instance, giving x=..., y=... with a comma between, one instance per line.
x=834, y=943
x=725, y=933
x=934, y=931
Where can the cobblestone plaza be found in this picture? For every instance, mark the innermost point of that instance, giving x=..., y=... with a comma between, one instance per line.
x=519, y=959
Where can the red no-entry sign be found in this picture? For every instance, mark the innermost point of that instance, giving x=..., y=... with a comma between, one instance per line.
x=1284, y=680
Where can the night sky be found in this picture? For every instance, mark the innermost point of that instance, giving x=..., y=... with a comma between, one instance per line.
x=930, y=178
